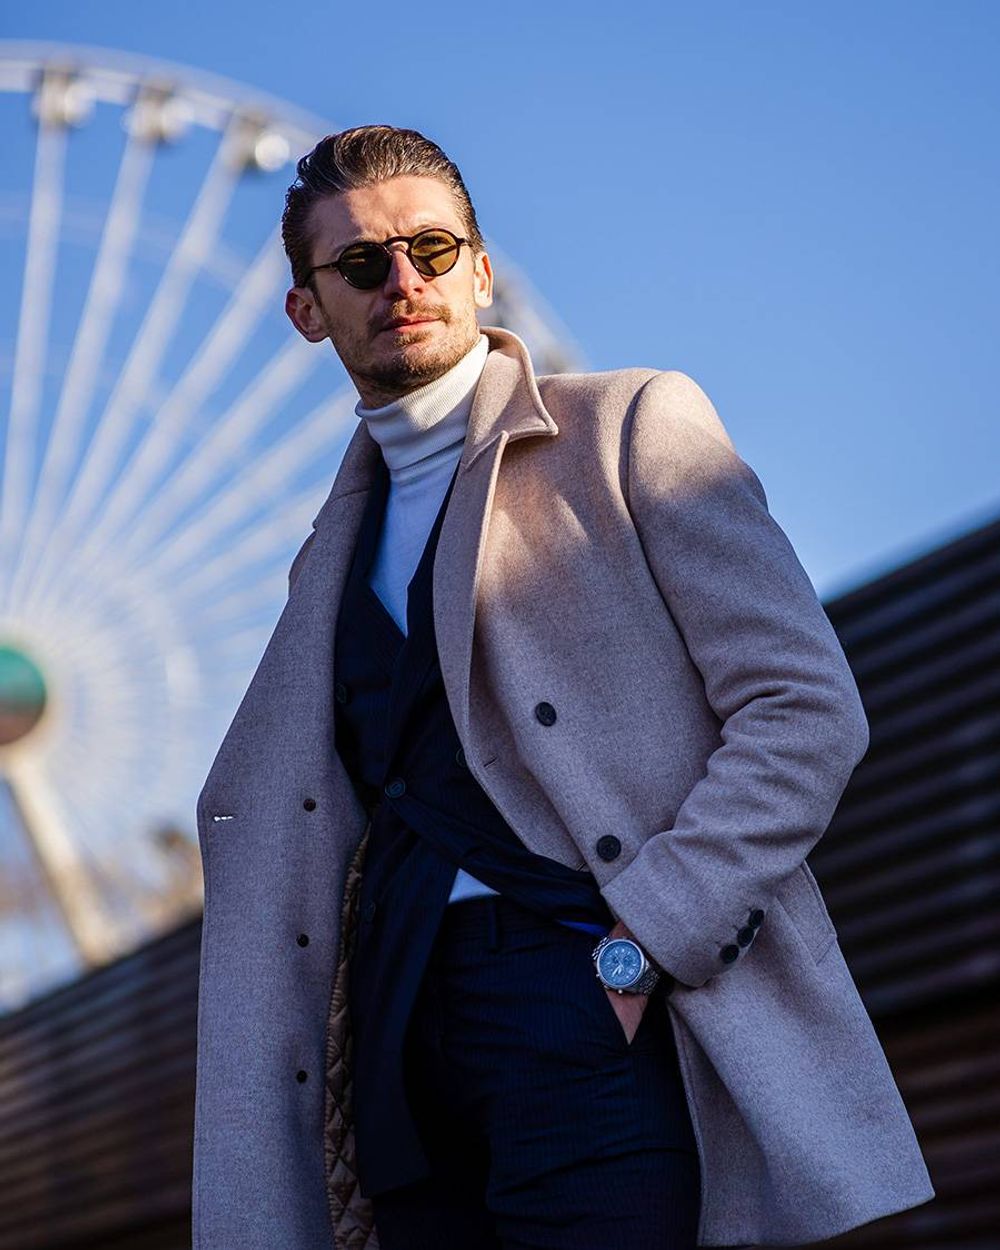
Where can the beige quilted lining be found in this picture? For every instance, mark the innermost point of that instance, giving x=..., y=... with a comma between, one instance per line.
x=351, y=1215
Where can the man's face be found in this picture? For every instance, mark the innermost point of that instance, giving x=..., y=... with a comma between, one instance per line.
x=410, y=329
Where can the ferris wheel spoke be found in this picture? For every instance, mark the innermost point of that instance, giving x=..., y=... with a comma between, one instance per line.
x=90, y=641
x=269, y=477
x=252, y=574
x=88, y=585
x=32, y=334
x=193, y=477
x=250, y=302
x=247, y=646
x=104, y=292
x=263, y=547
x=150, y=344
x=143, y=630
x=212, y=459
x=218, y=614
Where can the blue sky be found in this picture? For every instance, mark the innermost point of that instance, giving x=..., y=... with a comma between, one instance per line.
x=796, y=203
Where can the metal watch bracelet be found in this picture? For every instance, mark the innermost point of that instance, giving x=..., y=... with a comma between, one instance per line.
x=648, y=978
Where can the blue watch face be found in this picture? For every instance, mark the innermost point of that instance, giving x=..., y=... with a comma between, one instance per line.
x=620, y=963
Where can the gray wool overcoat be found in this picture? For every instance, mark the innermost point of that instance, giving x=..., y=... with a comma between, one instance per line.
x=607, y=551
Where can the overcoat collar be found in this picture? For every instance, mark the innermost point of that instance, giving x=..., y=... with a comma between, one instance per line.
x=507, y=405
x=506, y=401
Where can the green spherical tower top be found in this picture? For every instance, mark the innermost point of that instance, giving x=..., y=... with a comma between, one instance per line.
x=22, y=694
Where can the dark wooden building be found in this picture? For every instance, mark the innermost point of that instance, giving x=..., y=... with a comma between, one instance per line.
x=910, y=867
x=97, y=1078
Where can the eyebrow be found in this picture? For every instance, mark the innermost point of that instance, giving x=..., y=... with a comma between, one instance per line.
x=431, y=225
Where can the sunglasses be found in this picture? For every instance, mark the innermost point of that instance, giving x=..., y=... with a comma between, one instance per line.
x=432, y=253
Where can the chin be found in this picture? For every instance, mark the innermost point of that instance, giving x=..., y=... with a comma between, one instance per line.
x=420, y=362
x=402, y=366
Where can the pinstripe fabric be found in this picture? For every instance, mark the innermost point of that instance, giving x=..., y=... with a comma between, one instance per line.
x=544, y=1126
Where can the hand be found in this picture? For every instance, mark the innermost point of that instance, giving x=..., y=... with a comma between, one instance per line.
x=628, y=1007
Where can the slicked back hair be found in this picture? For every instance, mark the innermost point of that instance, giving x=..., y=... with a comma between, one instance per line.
x=358, y=158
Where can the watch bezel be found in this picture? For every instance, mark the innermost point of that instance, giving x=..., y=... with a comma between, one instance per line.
x=603, y=947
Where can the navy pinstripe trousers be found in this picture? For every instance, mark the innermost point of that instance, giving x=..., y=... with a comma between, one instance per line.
x=545, y=1128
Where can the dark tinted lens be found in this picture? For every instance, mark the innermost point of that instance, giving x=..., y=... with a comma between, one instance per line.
x=434, y=252
x=364, y=265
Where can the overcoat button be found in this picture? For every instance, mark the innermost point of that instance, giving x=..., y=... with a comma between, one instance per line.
x=745, y=935
x=756, y=916
x=370, y=910
x=460, y=758
x=395, y=787
x=301, y=1076
x=340, y=692
x=546, y=713
x=608, y=847
x=303, y=939
x=729, y=953
x=309, y=804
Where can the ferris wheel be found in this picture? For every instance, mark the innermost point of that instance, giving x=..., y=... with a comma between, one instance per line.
x=165, y=441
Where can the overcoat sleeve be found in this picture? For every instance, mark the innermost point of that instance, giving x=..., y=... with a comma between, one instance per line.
x=792, y=725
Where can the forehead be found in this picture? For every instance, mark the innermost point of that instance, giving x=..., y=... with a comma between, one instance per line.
x=398, y=206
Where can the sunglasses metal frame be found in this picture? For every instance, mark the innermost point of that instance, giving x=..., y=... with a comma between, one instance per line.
x=409, y=240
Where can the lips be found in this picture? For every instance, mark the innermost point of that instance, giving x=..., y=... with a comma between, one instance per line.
x=399, y=323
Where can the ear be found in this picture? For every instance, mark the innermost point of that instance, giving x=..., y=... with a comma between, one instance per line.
x=483, y=281
x=304, y=314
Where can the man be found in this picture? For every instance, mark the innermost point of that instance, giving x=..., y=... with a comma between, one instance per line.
x=509, y=940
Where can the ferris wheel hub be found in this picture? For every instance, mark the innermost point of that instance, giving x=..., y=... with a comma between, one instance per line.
x=23, y=694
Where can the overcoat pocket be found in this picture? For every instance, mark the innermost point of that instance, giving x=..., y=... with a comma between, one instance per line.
x=801, y=898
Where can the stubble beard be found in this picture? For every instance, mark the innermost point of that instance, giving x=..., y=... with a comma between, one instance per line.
x=406, y=371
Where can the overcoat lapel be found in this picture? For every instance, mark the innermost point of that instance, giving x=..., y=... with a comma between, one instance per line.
x=507, y=406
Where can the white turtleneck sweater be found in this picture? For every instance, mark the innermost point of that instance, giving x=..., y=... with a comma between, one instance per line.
x=421, y=437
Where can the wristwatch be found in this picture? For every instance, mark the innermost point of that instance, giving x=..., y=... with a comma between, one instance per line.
x=622, y=965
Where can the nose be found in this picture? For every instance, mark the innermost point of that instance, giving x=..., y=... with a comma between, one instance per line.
x=402, y=280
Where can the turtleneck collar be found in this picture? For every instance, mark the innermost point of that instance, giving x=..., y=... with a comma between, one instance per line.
x=429, y=419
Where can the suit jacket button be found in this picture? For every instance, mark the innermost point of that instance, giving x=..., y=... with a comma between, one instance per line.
x=340, y=692
x=546, y=713
x=303, y=939
x=729, y=953
x=745, y=935
x=395, y=787
x=309, y=804
x=301, y=1076
x=608, y=847
x=756, y=916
